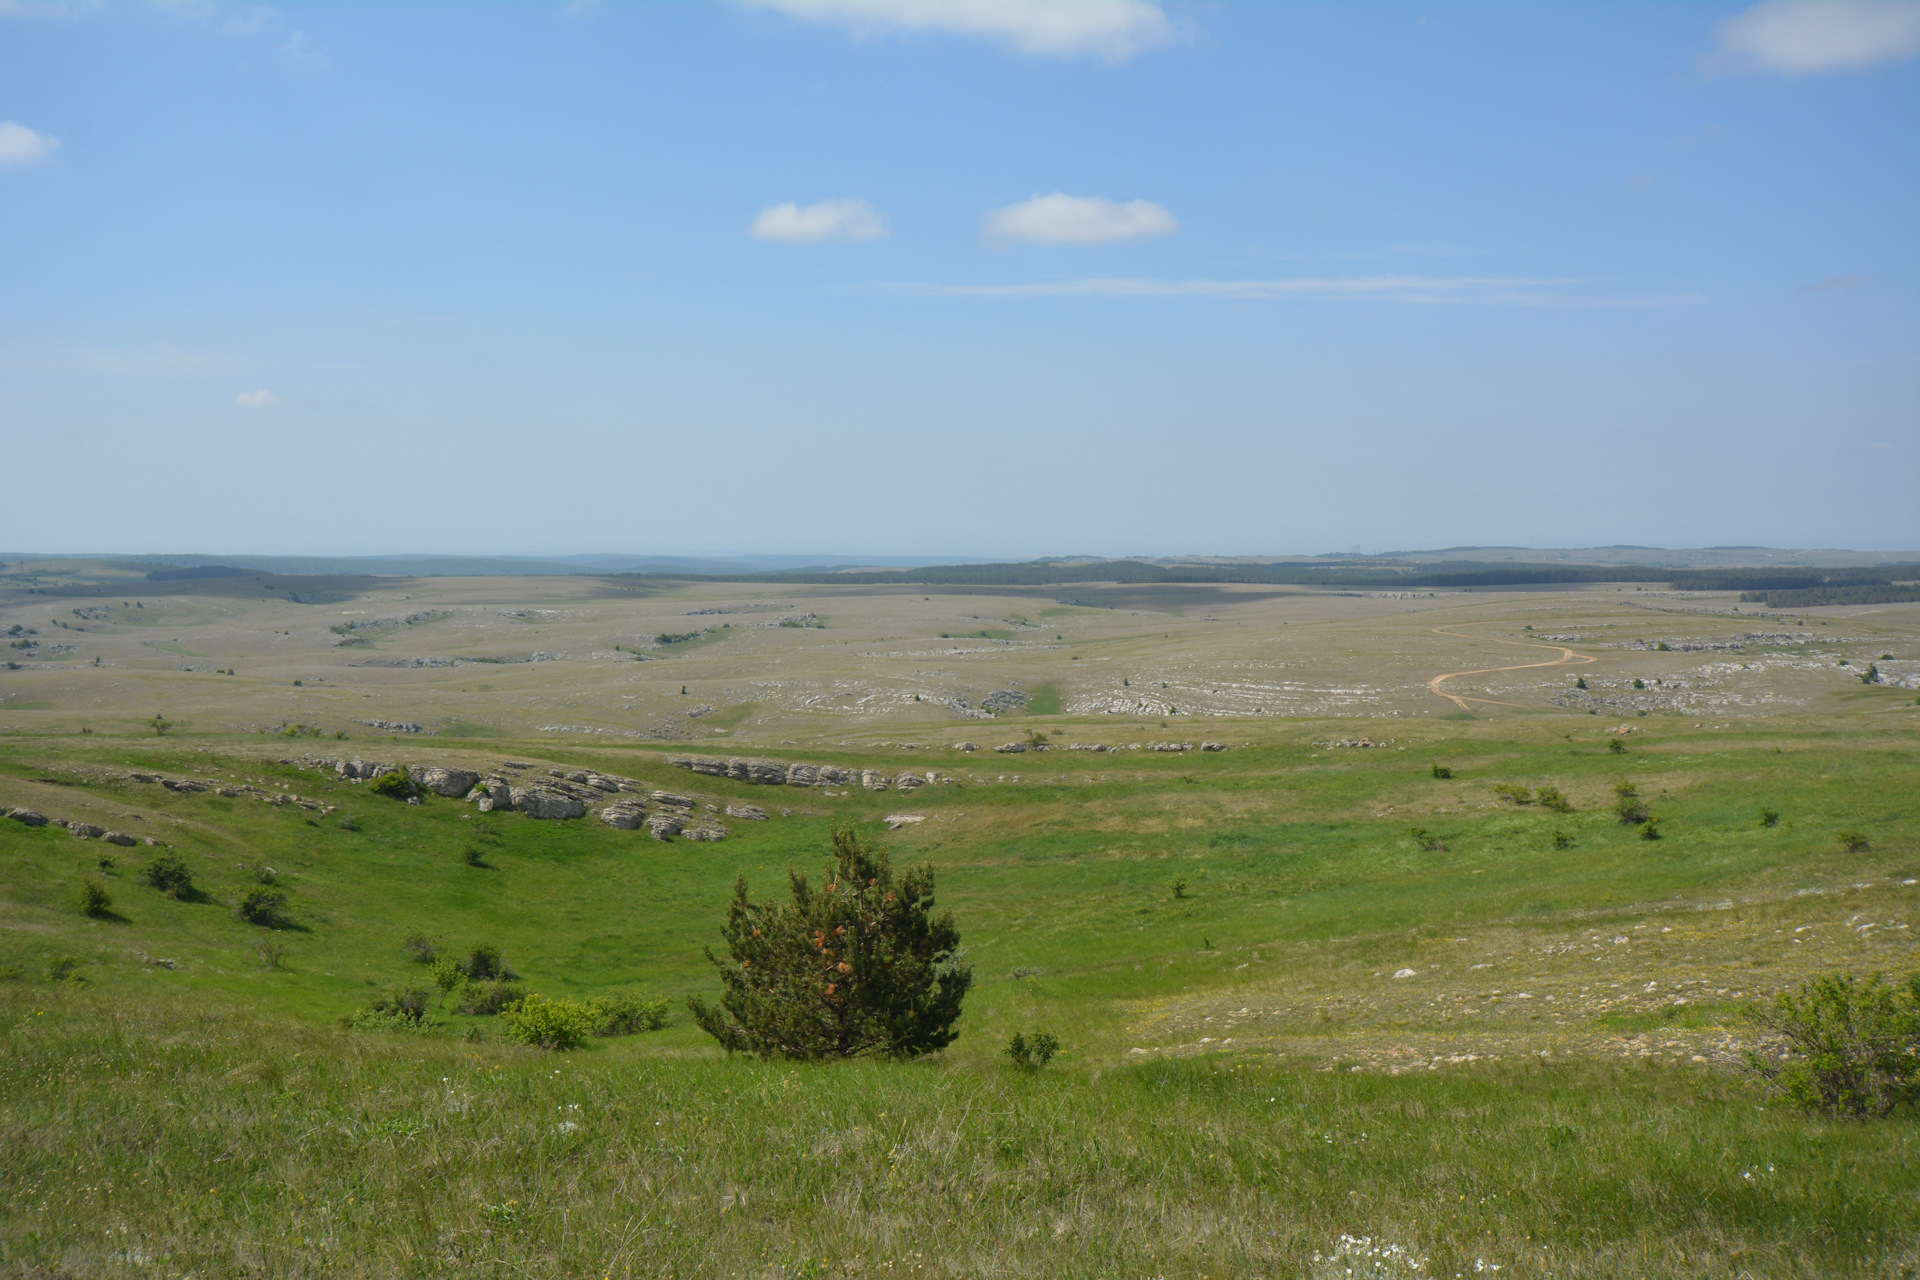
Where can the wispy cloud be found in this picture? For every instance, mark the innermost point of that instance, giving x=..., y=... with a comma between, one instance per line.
x=1505, y=290
x=1802, y=37
x=1833, y=284
x=299, y=50
x=21, y=146
x=1065, y=219
x=1112, y=29
x=257, y=400
x=828, y=220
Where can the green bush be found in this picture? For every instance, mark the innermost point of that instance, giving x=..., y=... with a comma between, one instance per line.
x=1178, y=887
x=1617, y=745
x=169, y=874
x=393, y=784
x=1552, y=798
x=382, y=1020
x=1441, y=771
x=549, y=1024
x=484, y=964
x=1561, y=840
x=1627, y=804
x=485, y=999
x=1650, y=828
x=1513, y=793
x=92, y=897
x=403, y=1002
x=860, y=966
x=1769, y=817
x=1852, y=1048
x=263, y=906
x=1853, y=841
x=623, y=1013
x=1032, y=1052
x=420, y=948
x=1428, y=842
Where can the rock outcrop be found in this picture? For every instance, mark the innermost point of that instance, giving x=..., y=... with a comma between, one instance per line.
x=28, y=817
x=544, y=803
x=86, y=830
x=627, y=815
x=120, y=838
x=453, y=783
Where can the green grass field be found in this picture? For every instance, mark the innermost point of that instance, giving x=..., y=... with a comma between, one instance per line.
x=1552, y=1089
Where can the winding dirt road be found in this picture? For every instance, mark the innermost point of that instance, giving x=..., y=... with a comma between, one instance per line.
x=1566, y=656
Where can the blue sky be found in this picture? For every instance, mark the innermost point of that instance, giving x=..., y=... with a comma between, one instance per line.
x=958, y=277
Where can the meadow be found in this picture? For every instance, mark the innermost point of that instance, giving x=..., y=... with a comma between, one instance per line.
x=1289, y=1024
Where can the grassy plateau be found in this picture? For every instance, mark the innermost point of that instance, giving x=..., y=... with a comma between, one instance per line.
x=1325, y=1009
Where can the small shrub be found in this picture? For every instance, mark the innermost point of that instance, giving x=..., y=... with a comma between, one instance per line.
x=272, y=952
x=64, y=969
x=420, y=948
x=1551, y=798
x=393, y=784
x=1441, y=771
x=549, y=1024
x=106, y=865
x=484, y=999
x=264, y=873
x=1032, y=1052
x=473, y=855
x=160, y=725
x=348, y=822
x=1178, y=887
x=1427, y=841
x=1513, y=793
x=1853, y=841
x=1579, y=682
x=624, y=1013
x=384, y=1020
x=1872, y=675
x=1853, y=1048
x=1769, y=817
x=1627, y=804
x=263, y=906
x=1618, y=746
x=1650, y=828
x=1638, y=683
x=92, y=897
x=447, y=974
x=403, y=1002
x=485, y=964
x=169, y=874
x=1561, y=840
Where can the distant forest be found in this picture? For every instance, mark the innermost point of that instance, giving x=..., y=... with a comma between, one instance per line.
x=1772, y=586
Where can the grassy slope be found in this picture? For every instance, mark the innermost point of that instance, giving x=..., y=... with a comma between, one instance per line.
x=1303, y=889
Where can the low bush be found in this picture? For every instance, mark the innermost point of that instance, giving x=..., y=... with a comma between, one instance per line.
x=485, y=964
x=1769, y=817
x=1178, y=886
x=1552, y=798
x=1627, y=804
x=624, y=1013
x=1853, y=841
x=1427, y=841
x=1032, y=1052
x=1650, y=828
x=393, y=784
x=484, y=999
x=1617, y=745
x=1852, y=1048
x=403, y=1002
x=549, y=1024
x=420, y=948
x=263, y=906
x=169, y=874
x=92, y=897
x=473, y=855
x=1513, y=793
x=1441, y=771
x=1561, y=840
x=383, y=1020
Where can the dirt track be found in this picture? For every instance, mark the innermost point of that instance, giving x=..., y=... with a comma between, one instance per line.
x=1566, y=656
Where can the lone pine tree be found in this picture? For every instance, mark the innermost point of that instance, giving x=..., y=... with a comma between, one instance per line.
x=860, y=965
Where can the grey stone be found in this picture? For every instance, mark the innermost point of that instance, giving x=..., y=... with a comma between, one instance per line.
x=544, y=804
x=1011, y=748
x=663, y=826
x=966, y=746
x=803, y=775
x=86, y=830
x=750, y=812
x=874, y=780
x=709, y=832
x=1005, y=700
x=627, y=815
x=833, y=776
x=444, y=782
x=28, y=816
x=120, y=838
x=672, y=801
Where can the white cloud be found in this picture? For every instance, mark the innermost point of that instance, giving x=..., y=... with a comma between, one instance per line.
x=300, y=51
x=257, y=400
x=1113, y=29
x=20, y=145
x=1799, y=37
x=828, y=220
x=1064, y=219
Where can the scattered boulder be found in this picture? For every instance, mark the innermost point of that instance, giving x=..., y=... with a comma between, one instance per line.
x=750, y=812
x=832, y=776
x=143, y=777
x=86, y=830
x=120, y=838
x=28, y=816
x=709, y=832
x=1213, y=746
x=909, y=781
x=1005, y=700
x=895, y=821
x=874, y=780
x=966, y=746
x=627, y=815
x=185, y=786
x=803, y=775
x=664, y=826
x=443, y=782
x=599, y=783
x=1011, y=748
x=672, y=801
x=538, y=802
